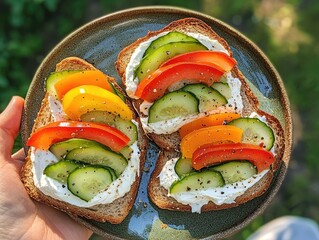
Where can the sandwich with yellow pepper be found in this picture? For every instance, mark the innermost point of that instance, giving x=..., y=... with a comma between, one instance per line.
x=86, y=150
x=219, y=149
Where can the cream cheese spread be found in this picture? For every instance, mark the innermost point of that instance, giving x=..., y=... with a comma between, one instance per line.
x=196, y=199
x=56, y=109
x=118, y=188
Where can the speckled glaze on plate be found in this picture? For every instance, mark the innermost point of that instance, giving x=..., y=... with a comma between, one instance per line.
x=99, y=43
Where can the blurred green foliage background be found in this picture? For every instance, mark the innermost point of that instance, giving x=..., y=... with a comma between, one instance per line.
x=285, y=30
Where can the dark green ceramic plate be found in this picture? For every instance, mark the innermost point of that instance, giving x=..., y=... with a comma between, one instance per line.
x=99, y=42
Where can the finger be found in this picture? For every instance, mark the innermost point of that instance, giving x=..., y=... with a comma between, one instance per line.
x=19, y=155
x=19, y=159
x=10, y=120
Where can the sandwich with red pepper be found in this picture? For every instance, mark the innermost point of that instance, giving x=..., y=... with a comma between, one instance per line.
x=86, y=150
x=218, y=148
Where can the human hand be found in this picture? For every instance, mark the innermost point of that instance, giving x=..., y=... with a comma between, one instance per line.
x=21, y=217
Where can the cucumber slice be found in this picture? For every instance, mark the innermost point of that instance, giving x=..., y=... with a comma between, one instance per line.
x=61, y=170
x=98, y=155
x=183, y=167
x=223, y=89
x=126, y=152
x=127, y=127
x=111, y=170
x=209, y=98
x=198, y=181
x=223, y=79
x=100, y=117
x=152, y=61
x=118, y=93
x=168, y=38
x=88, y=181
x=54, y=77
x=255, y=132
x=173, y=104
x=60, y=149
x=236, y=171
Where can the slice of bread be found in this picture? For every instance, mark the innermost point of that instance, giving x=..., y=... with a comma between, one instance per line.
x=114, y=212
x=187, y=25
x=169, y=143
x=159, y=195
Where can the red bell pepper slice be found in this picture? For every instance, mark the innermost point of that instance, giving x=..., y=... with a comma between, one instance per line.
x=221, y=59
x=218, y=153
x=156, y=84
x=55, y=132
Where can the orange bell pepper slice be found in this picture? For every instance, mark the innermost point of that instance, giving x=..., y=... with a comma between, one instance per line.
x=213, y=154
x=208, y=135
x=89, y=77
x=207, y=121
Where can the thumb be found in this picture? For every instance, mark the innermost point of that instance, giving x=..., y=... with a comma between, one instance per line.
x=10, y=120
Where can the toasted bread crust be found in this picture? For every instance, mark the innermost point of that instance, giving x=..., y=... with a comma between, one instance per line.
x=114, y=212
x=169, y=143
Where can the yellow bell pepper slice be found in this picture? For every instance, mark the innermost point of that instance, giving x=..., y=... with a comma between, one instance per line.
x=87, y=98
x=209, y=135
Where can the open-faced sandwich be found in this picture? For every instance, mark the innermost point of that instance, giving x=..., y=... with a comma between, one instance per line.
x=219, y=149
x=86, y=151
